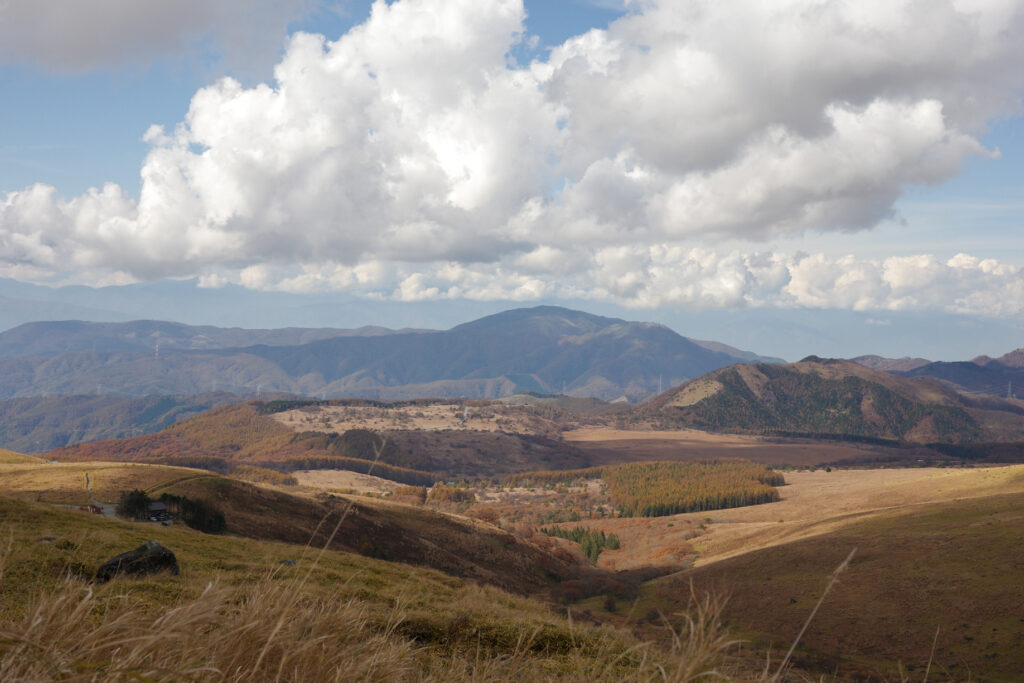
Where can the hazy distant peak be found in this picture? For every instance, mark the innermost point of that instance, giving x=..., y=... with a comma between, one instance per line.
x=550, y=316
x=903, y=364
x=1013, y=359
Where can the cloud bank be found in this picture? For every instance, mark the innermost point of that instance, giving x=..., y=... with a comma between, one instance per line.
x=413, y=158
x=72, y=35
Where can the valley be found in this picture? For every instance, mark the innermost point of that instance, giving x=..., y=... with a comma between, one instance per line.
x=749, y=483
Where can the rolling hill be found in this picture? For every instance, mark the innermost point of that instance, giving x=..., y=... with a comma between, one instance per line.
x=257, y=608
x=834, y=398
x=36, y=425
x=248, y=434
x=414, y=535
x=946, y=573
x=544, y=349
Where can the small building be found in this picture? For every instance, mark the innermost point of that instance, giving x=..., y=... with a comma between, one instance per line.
x=157, y=511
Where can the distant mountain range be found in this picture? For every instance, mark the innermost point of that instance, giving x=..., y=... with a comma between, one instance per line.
x=544, y=349
x=36, y=425
x=1003, y=376
x=835, y=398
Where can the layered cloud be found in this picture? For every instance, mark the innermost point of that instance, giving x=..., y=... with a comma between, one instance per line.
x=414, y=158
x=72, y=35
x=694, y=278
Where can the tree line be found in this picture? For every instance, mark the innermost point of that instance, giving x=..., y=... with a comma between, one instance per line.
x=196, y=514
x=591, y=541
x=655, y=489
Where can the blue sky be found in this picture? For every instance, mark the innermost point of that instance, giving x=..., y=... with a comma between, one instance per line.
x=673, y=160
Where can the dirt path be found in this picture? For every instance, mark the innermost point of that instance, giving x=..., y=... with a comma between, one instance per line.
x=180, y=480
x=106, y=509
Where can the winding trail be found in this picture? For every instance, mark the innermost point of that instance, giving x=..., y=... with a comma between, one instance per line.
x=106, y=509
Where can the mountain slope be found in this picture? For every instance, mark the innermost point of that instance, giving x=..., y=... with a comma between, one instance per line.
x=52, y=338
x=903, y=364
x=544, y=349
x=992, y=377
x=35, y=425
x=833, y=397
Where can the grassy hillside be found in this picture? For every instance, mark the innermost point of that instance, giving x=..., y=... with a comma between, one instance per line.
x=830, y=397
x=254, y=610
x=223, y=438
x=955, y=566
x=415, y=535
x=13, y=458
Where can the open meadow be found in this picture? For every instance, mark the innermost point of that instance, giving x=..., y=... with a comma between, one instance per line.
x=608, y=445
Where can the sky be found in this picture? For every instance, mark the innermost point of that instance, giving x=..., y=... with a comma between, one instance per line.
x=672, y=159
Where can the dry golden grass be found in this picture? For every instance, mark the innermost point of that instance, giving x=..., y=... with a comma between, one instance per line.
x=64, y=483
x=12, y=458
x=610, y=446
x=344, y=480
x=235, y=613
x=932, y=586
x=820, y=502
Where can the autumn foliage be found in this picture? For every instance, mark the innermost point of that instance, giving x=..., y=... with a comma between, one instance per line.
x=450, y=494
x=655, y=489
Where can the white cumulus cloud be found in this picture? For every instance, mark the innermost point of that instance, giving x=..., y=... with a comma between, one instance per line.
x=412, y=157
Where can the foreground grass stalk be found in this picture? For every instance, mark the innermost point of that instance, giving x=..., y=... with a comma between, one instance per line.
x=377, y=452
x=835, y=579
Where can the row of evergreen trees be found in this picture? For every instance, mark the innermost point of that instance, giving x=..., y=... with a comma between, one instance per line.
x=655, y=489
x=195, y=513
x=592, y=542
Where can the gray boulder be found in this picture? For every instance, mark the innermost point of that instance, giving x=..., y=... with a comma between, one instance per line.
x=148, y=558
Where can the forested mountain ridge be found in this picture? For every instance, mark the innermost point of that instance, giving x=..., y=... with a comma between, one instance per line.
x=835, y=398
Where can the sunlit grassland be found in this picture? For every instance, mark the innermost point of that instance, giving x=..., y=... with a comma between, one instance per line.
x=13, y=458
x=65, y=483
x=953, y=566
x=240, y=609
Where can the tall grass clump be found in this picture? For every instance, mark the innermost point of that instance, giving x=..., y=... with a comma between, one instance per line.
x=263, y=632
x=255, y=633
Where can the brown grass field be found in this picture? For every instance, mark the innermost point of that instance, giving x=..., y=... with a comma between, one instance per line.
x=937, y=547
x=951, y=571
x=64, y=483
x=237, y=612
x=343, y=480
x=813, y=503
x=820, y=502
x=12, y=458
x=610, y=446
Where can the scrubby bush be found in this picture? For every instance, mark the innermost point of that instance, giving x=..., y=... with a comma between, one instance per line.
x=450, y=494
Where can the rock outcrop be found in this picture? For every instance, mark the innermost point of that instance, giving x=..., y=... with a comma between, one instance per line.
x=148, y=558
